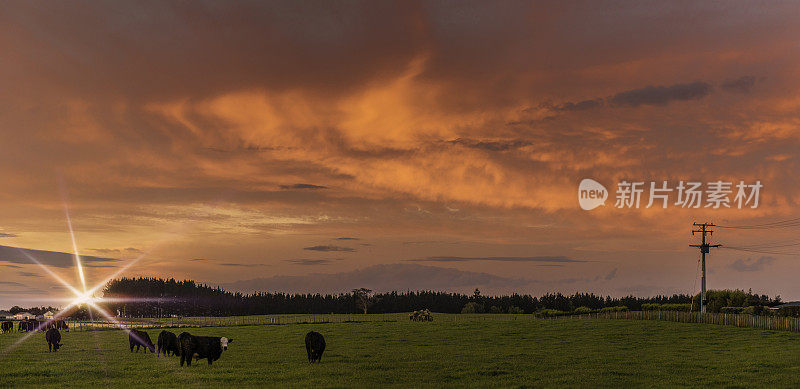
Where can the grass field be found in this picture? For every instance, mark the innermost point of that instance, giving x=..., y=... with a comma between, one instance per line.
x=480, y=353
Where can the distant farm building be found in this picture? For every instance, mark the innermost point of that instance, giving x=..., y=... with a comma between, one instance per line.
x=5, y=314
x=48, y=315
x=24, y=316
x=789, y=304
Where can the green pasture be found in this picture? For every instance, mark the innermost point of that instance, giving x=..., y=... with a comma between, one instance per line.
x=479, y=352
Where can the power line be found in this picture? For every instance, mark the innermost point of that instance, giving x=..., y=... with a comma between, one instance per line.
x=760, y=251
x=778, y=224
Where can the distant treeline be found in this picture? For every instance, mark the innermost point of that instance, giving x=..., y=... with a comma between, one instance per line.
x=154, y=297
x=37, y=311
x=165, y=297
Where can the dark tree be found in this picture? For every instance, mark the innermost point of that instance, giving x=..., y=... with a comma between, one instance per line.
x=364, y=298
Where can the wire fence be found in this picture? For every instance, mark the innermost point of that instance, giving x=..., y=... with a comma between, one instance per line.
x=225, y=321
x=778, y=323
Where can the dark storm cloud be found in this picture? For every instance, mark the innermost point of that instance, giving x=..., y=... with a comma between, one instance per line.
x=7, y=235
x=29, y=274
x=328, y=248
x=347, y=238
x=227, y=264
x=742, y=84
x=561, y=259
x=661, y=95
x=611, y=275
x=491, y=145
x=649, y=95
x=576, y=106
x=22, y=292
x=235, y=264
x=106, y=251
x=50, y=258
x=310, y=262
x=164, y=48
x=10, y=283
x=304, y=186
x=750, y=265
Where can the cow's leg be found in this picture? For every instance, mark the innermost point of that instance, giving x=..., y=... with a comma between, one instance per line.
x=183, y=359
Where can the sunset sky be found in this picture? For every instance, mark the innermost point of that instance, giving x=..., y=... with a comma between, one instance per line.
x=295, y=145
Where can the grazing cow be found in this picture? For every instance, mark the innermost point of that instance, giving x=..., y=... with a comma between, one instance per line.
x=26, y=325
x=53, y=338
x=199, y=347
x=168, y=342
x=315, y=345
x=7, y=326
x=141, y=339
x=61, y=325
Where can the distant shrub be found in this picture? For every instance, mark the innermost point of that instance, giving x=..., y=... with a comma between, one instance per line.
x=676, y=307
x=515, y=309
x=621, y=308
x=717, y=299
x=667, y=307
x=551, y=313
x=582, y=310
x=495, y=309
x=790, y=311
x=472, y=307
x=421, y=315
x=758, y=310
x=731, y=309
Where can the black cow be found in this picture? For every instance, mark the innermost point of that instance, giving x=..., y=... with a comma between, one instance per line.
x=315, y=345
x=141, y=339
x=168, y=342
x=6, y=326
x=61, y=325
x=26, y=325
x=53, y=338
x=199, y=347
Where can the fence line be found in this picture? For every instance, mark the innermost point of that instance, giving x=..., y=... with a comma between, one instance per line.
x=211, y=321
x=778, y=323
x=738, y=320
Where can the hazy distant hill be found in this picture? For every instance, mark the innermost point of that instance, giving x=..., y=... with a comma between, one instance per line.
x=383, y=278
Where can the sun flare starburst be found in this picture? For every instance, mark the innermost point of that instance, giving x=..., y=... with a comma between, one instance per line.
x=84, y=297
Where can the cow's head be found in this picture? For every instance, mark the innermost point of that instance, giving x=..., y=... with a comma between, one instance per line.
x=223, y=341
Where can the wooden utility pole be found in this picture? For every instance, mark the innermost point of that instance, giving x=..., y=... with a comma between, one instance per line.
x=703, y=251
